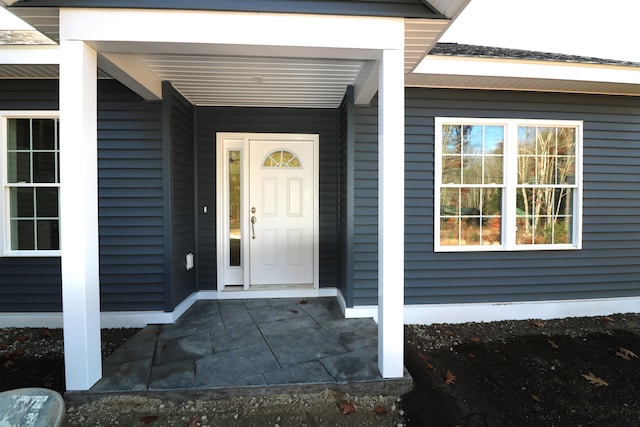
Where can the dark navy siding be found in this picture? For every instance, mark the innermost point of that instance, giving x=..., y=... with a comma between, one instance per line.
x=130, y=200
x=346, y=184
x=130, y=205
x=393, y=8
x=29, y=284
x=180, y=228
x=211, y=120
x=607, y=266
x=365, y=206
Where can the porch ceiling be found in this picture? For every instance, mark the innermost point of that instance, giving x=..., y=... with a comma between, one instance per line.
x=255, y=81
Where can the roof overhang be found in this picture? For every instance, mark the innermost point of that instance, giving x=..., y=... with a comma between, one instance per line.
x=524, y=75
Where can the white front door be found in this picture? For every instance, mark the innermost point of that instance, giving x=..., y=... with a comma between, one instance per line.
x=267, y=210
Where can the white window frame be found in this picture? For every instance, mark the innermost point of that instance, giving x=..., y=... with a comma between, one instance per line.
x=510, y=170
x=5, y=204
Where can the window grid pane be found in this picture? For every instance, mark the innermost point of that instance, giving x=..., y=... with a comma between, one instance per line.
x=546, y=179
x=472, y=178
x=536, y=175
x=281, y=159
x=33, y=183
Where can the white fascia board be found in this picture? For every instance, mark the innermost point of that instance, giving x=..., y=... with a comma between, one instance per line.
x=484, y=67
x=450, y=8
x=232, y=28
x=128, y=70
x=29, y=54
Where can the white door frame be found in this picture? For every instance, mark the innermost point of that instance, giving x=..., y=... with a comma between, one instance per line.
x=226, y=141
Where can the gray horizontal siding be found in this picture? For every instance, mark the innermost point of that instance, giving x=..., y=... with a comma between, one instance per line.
x=607, y=266
x=182, y=216
x=346, y=158
x=130, y=205
x=392, y=8
x=211, y=120
x=365, y=207
x=30, y=284
x=130, y=200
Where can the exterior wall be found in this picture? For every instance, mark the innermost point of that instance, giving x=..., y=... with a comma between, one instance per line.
x=606, y=267
x=365, y=206
x=272, y=120
x=28, y=283
x=346, y=142
x=131, y=204
x=179, y=187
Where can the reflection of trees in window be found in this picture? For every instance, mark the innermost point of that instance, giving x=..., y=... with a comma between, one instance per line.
x=472, y=180
x=546, y=177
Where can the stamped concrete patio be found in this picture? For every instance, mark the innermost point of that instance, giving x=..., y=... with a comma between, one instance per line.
x=226, y=348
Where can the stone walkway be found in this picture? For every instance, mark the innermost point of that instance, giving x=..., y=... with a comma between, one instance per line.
x=228, y=348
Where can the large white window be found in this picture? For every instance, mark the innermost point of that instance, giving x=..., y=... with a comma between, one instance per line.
x=507, y=184
x=31, y=183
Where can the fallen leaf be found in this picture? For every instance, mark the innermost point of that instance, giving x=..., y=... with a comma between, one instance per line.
x=537, y=323
x=22, y=338
x=18, y=352
x=45, y=333
x=425, y=359
x=346, y=408
x=5, y=345
x=302, y=301
x=475, y=339
x=380, y=410
x=195, y=422
x=553, y=344
x=599, y=382
x=449, y=378
x=608, y=319
x=536, y=398
x=7, y=363
x=149, y=419
x=294, y=311
x=626, y=354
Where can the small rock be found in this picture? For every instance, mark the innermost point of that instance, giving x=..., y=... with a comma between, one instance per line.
x=235, y=416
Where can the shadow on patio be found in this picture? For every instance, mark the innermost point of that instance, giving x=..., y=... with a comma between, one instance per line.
x=225, y=348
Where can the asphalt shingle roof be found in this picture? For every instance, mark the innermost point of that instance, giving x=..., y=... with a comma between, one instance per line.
x=456, y=49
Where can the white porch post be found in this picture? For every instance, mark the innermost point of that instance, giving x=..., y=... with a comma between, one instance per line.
x=79, y=214
x=391, y=214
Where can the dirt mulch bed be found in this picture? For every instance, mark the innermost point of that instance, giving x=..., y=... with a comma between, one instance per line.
x=566, y=372
x=33, y=357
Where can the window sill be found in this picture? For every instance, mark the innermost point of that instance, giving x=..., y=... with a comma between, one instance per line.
x=499, y=248
x=33, y=254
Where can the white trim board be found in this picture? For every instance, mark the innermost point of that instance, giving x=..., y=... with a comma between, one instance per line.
x=490, y=312
x=413, y=314
x=140, y=319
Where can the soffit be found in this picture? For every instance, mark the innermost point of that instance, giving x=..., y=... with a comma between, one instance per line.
x=565, y=78
x=31, y=71
x=255, y=81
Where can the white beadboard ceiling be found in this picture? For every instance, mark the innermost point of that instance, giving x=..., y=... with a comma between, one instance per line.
x=255, y=81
